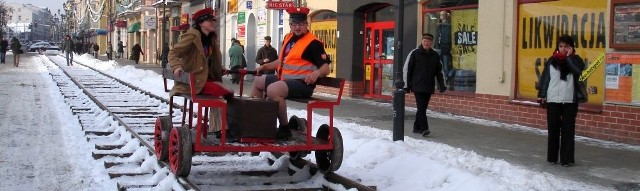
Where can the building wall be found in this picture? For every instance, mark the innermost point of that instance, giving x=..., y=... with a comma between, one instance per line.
x=496, y=47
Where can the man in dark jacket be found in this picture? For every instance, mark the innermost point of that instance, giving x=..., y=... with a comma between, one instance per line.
x=120, y=49
x=96, y=50
x=424, y=68
x=4, y=46
x=266, y=54
x=67, y=48
x=16, y=47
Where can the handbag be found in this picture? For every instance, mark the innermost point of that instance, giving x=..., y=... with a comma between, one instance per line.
x=244, y=62
x=582, y=94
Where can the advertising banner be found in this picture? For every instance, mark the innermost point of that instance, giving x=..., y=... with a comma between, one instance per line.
x=539, y=26
x=326, y=31
x=622, y=85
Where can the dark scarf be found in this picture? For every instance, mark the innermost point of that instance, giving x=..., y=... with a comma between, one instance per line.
x=560, y=63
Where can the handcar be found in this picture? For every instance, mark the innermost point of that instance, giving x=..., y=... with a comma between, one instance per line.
x=252, y=133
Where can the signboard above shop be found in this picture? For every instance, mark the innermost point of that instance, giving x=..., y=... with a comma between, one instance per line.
x=280, y=4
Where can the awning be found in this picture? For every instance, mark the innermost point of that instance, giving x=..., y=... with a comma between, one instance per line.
x=135, y=27
x=182, y=27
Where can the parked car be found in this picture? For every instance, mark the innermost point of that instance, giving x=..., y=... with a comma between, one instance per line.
x=43, y=46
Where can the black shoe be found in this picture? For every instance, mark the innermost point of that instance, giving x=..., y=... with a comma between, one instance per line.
x=553, y=163
x=283, y=133
x=426, y=132
x=418, y=131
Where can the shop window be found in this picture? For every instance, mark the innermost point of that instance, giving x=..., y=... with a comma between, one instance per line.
x=540, y=23
x=454, y=24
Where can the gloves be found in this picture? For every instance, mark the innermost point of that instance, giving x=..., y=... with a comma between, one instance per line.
x=542, y=102
x=442, y=88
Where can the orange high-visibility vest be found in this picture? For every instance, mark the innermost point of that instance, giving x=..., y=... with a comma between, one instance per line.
x=293, y=66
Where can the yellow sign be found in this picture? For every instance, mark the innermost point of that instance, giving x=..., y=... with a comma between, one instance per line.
x=464, y=34
x=367, y=72
x=589, y=70
x=326, y=31
x=539, y=26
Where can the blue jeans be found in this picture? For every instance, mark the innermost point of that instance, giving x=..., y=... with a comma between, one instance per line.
x=3, y=55
x=447, y=65
x=69, y=56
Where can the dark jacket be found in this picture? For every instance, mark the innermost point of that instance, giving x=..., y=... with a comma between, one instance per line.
x=67, y=45
x=576, y=66
x=15, y=45
x=424, y=67
x=266, y=52
x=4, y=46
x=96, y=47
x=136, y=51
x=120, y=47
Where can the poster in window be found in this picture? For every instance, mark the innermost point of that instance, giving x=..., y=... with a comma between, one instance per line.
x=622, y=85
x=625, y=24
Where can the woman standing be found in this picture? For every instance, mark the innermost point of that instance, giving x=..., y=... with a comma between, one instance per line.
x=198, y=52
x=560, y=92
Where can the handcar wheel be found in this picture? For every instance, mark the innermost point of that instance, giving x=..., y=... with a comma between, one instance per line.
x=161, y=137
x=180, y=151
x=329, y=160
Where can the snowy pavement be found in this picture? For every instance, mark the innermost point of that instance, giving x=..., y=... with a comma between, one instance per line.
x=43, y=147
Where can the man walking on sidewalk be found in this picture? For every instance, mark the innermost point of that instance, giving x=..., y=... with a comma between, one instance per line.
x=423, y=70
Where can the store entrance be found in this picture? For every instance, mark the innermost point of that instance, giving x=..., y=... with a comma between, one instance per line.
x=378, y=59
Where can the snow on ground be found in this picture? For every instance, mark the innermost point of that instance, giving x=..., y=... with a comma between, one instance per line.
x=43, y=147
x=42, y=135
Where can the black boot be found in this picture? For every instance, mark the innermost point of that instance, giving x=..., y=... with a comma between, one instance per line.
x=283, y=133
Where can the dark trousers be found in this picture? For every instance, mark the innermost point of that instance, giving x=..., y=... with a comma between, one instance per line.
x=561, y=123
x=422, y=102
x=235, y=77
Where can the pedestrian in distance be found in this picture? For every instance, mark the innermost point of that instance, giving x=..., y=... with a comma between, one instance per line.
x=198, y=52
x=4, y=47
x=164, y=57
x=120, y=49
x=560, y=91
x=109, y=51
x=136, y=50
x=16, y=47
x=302, y=62
x=235, y=60
x=266, y=54
x=67, y=49
x=424, y=68
x=96, y=50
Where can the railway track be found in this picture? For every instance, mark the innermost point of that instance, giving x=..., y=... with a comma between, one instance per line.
x=119, y=120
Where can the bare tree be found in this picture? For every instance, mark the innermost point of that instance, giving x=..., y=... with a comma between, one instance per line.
x=5, y=15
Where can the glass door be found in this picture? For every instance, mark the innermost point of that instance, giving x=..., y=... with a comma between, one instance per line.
x=378, y=59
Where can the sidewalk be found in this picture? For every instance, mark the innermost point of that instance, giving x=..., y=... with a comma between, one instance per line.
x=611, y=165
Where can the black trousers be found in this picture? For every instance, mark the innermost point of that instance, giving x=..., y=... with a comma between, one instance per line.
x=422, y=102
x=561, y=124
